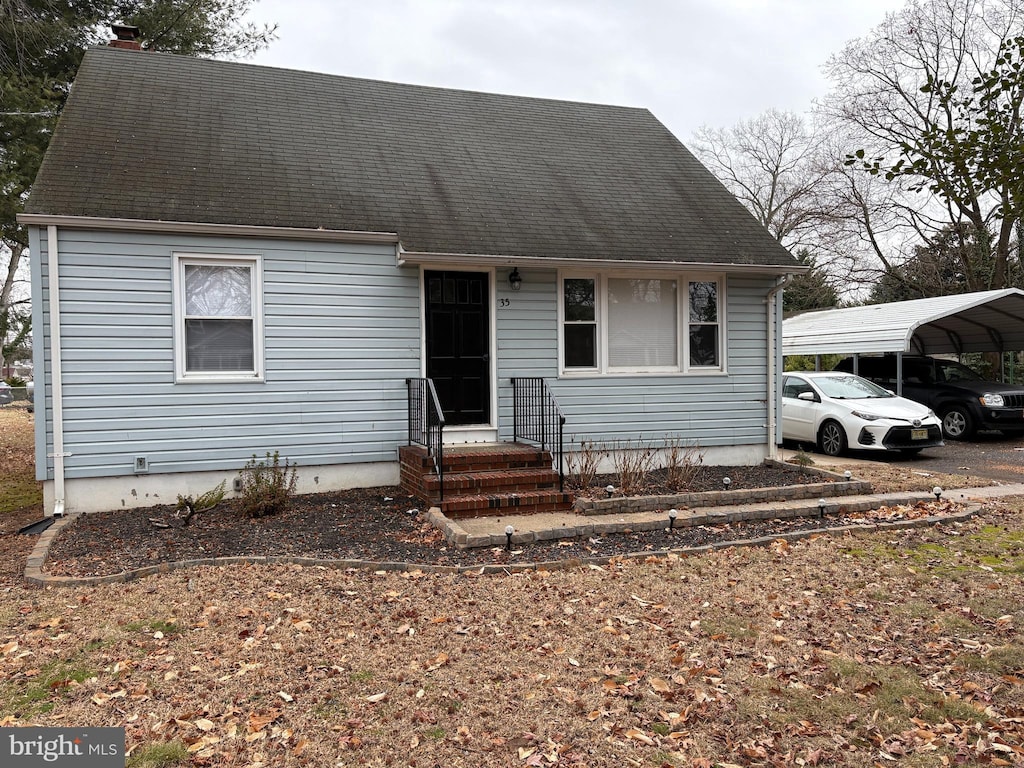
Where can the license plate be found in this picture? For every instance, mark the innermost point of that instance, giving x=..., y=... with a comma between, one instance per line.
x=919, y=434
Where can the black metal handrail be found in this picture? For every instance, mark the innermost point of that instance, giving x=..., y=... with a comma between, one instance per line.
x=537, y=417
x=426, y=422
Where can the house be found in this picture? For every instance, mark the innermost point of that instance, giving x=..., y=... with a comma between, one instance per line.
x=233, y=259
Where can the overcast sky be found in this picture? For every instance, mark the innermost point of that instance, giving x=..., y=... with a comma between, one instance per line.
x=691, y=62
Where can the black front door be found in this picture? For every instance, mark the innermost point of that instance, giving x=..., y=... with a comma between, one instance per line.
x=458, y=344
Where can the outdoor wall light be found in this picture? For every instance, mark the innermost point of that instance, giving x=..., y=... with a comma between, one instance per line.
x=938, y=492
x=610, y=490
x=821, y=507
x=727, y=481
x=515, y=280
x=509, y=530
x=672, y=514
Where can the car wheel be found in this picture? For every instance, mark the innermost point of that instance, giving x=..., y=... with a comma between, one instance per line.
x=957, y=423
x=832, y=438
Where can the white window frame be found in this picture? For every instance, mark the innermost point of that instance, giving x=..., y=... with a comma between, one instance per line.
x=682, y=281
x=255, y=264
x=598, y=323
x=684, y=289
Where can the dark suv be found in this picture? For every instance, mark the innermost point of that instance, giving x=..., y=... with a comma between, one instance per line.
x=963, y=400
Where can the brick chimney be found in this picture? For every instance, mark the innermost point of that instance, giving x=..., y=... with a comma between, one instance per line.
x=126, y=37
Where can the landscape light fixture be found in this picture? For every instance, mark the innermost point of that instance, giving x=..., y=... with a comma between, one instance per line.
x=821, y=507
x=515, y=280
x=509, y=530
x=672, y=513
x=727, y=481
x=938, y=492
x=610, y=490
x=847, y=474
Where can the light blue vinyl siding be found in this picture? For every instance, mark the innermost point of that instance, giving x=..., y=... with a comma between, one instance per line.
x=341, y=335
x=707, y=409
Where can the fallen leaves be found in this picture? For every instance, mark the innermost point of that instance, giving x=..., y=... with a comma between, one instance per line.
x=819, y=653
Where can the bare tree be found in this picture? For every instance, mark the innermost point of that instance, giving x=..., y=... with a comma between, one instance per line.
x=782, y=170
x=903, y=99
x=41, y=44
x=774, y=165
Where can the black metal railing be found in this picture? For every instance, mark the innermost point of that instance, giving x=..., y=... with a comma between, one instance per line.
x=426, y=423
x=537, y=417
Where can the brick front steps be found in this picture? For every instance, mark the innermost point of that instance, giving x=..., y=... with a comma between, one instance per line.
x=485, y=480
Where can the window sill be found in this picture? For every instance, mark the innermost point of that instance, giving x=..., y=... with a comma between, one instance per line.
x=224, y=379
x=593, y=374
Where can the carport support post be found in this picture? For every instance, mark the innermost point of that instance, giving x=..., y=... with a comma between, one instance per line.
x=899, y=374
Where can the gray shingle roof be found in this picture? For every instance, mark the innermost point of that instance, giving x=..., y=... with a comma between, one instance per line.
x=162, y=137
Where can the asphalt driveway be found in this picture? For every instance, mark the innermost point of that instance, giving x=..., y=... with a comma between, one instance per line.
x=988, y=454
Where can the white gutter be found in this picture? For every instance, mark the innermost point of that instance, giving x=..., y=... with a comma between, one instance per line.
x=56, y=388
x=201, y=228
x=630, y=265
x=770, y=302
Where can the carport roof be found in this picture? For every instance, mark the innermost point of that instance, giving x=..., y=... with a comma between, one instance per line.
x=987, y=321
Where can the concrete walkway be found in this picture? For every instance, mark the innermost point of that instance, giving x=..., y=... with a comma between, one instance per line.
x=491, y=531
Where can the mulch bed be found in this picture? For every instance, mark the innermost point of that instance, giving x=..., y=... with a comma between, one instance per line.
x=375, y=524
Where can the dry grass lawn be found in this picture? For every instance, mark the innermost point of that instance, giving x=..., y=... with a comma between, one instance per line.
x=20, y=494
x=890, y=648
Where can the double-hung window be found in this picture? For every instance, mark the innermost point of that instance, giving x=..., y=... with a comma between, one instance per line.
x=579, y=326
x=658, y=323
x=705, y=337
x=218, y=323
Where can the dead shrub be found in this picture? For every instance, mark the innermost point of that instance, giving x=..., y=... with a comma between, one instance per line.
x=584, y=463
x=266, y=485
x=192, y=506
x=633, y=459
x=683, y=463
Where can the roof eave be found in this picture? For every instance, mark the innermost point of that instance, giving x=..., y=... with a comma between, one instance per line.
x=420, y=258
x=205, y=228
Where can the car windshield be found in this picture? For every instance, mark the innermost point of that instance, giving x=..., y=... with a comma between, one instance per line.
x=957, y=372
x=850, y=388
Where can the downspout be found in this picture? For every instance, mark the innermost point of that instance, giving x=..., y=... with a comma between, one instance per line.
x=773, y=448
x=56, y=388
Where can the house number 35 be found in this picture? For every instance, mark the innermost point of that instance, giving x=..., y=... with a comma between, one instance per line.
x=504, y=302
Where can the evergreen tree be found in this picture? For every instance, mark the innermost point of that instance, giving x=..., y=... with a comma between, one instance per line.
x=41, y=45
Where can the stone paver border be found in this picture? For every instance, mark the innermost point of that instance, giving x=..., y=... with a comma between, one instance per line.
x=837, y=485
x=36, y=576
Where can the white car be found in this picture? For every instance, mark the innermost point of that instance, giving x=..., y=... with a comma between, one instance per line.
x=839, y=411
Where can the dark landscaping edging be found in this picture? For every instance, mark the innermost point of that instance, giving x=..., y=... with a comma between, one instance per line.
x=35, y=576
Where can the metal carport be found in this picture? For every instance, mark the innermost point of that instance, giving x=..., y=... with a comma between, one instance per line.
x=986, y=321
